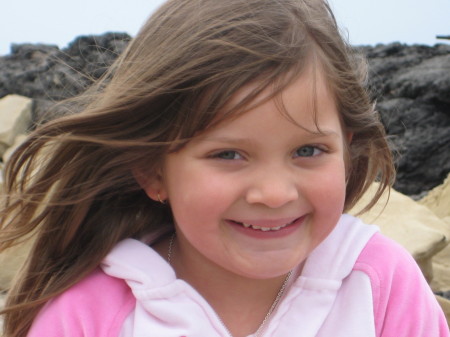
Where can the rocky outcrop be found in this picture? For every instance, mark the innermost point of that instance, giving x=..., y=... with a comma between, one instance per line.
x=47, y=74
x=15, y=119
x=438, y=200
x=419, y=229
x=411, y=85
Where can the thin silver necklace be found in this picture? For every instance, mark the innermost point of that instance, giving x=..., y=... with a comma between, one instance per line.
x=261, y=328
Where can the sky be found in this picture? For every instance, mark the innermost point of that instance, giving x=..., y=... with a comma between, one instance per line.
x=366, y=22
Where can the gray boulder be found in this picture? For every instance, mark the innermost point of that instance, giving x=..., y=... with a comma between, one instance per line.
x=412, y=88
x=47, y=74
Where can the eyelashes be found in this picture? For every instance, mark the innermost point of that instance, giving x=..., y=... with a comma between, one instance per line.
x=302, y=152
x=227, y=155
x=309, y=151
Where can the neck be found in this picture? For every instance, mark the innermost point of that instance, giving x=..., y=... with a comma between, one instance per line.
x=242, y=304
x=226, y=291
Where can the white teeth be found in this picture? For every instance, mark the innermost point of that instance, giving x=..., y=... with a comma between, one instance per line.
x=264, y=229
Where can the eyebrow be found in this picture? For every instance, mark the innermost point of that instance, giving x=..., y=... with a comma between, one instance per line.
x=322, y=133
x=231, y=140
x=228, y=140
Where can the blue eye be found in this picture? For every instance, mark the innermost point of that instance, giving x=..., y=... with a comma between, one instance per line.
x=228, y=155
x=308, y=151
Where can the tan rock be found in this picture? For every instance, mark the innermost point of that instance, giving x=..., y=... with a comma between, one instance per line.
x=1, y=177
x=445, y=305
x=438, y=199
x=2, y=303
x=11, y=261
x=17, y=141
x=15, y=118
x=2, y=299
x=412, y=225
x=441, y=267
x=3, y=148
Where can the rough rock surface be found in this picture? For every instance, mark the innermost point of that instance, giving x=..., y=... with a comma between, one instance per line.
x=419, y=230
x=15, y=118
x=411, y=85
x=45, y=72
x=48, y=74
x=438, y=200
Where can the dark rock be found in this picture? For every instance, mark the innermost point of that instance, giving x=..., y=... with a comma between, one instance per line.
x=411, y=85
x=45, y=72
x=444, y=294
x=41, y=111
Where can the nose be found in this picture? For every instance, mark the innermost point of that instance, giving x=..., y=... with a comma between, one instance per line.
x=272, y=188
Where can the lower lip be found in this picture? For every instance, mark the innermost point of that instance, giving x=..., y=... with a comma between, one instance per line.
x=259, y=234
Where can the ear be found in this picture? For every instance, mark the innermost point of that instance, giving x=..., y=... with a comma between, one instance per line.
x=152, y=184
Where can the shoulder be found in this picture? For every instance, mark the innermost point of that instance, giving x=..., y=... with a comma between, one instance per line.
x=391, y=269
x=96, y=306
x=404, y=304
x=385, y=257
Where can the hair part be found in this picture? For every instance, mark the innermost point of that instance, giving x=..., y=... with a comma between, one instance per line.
x=71, y=183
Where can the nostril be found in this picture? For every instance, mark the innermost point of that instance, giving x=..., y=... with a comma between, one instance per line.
x=272, y=196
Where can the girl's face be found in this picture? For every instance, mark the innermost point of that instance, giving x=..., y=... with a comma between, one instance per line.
x=255, y=195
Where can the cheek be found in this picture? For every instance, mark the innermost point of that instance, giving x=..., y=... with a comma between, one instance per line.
x=332, y=185
x=328, y=198
x=196, y=187
x=332, y=191
x=195, y=191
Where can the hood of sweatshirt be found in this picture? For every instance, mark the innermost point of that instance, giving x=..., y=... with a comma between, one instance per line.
x=168, y=307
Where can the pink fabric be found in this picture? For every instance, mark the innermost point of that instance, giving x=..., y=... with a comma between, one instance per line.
x=404, y=304
x=95, y=307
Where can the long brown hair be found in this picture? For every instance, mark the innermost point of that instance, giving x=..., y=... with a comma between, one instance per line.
x=71, y=183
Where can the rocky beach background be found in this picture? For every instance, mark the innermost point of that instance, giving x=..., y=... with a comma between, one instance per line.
x=410, y=83
x=411, y=86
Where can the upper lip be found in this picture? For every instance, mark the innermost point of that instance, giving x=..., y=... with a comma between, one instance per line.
x=269, y=223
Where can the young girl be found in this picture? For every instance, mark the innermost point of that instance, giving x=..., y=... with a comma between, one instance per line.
x=200, y=191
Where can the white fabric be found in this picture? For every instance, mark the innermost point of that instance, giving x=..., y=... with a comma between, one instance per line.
x=313, y=306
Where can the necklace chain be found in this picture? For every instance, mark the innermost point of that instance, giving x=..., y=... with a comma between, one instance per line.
x=274, y=305
x=280, y=293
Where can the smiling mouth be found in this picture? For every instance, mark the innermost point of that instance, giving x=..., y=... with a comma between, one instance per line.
x=265, y=229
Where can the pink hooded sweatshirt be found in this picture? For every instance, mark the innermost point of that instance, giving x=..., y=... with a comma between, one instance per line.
x=356, y=283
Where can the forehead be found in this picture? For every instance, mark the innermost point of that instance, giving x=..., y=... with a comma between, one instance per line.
x=305, y=109
x=307, y=100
